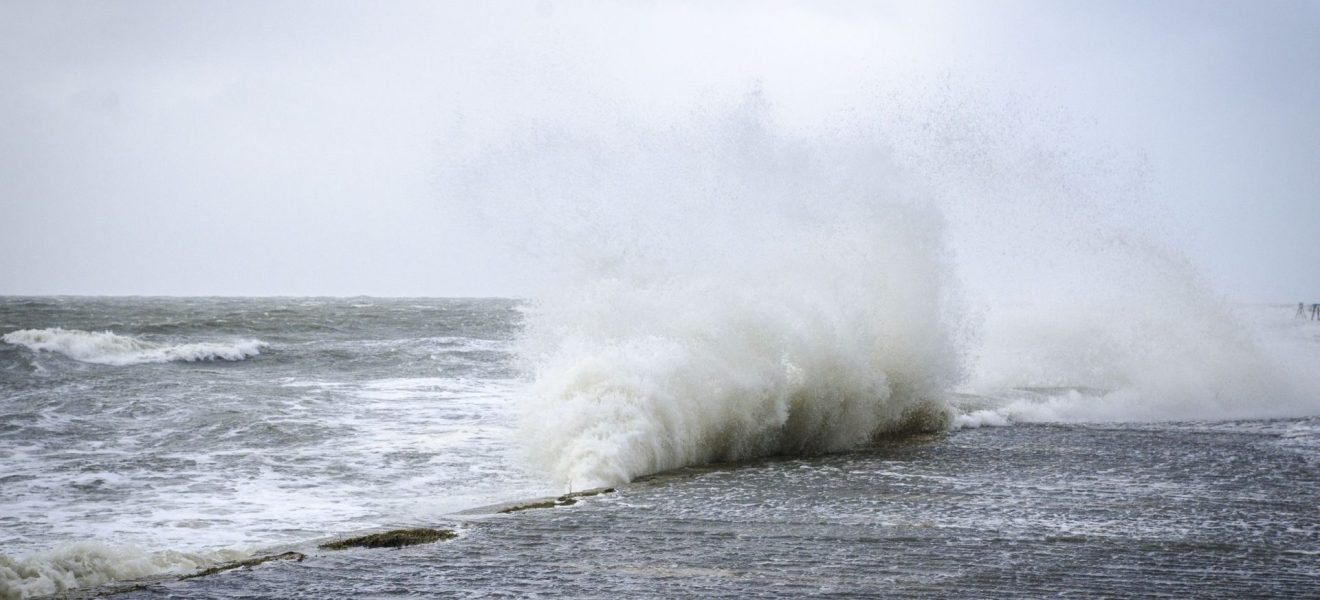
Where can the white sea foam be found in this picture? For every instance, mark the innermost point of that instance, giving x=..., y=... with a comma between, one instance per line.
x=83, y=565
x=979, y=418
x=108, y=348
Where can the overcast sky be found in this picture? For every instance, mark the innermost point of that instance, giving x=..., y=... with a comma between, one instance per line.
x=305, y=148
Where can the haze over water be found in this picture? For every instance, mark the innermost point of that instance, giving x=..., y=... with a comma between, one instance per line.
x=836, y=306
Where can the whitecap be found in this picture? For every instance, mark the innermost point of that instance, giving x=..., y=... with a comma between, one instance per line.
x=106, y=348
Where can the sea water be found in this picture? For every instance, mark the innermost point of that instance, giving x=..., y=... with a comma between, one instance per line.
x=809, y=361
x=147, y=437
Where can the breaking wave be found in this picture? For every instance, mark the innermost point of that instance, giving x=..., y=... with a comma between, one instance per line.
x=722, y=292
x=84, y=565
x=106, y=348
x=645, y=380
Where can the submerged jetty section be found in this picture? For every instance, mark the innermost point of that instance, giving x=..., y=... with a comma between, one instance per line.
x=395, y=538
x=243, y=564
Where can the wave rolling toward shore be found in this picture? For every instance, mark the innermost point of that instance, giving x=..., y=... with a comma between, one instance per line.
x=106, y=348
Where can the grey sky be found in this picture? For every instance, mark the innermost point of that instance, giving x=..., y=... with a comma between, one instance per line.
x=303, y=148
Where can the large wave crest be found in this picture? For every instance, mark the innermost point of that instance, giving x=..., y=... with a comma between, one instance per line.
x=106, y=348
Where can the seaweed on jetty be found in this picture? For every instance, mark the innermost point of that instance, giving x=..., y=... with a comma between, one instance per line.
x=397, y=538
x=534, y=505
x=568, y=499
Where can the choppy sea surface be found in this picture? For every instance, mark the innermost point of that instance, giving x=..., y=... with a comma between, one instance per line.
x=146, y=438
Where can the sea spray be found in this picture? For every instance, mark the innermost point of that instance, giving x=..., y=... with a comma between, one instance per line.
x=724, y=291
x=724, y=287
x=1151, y=341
